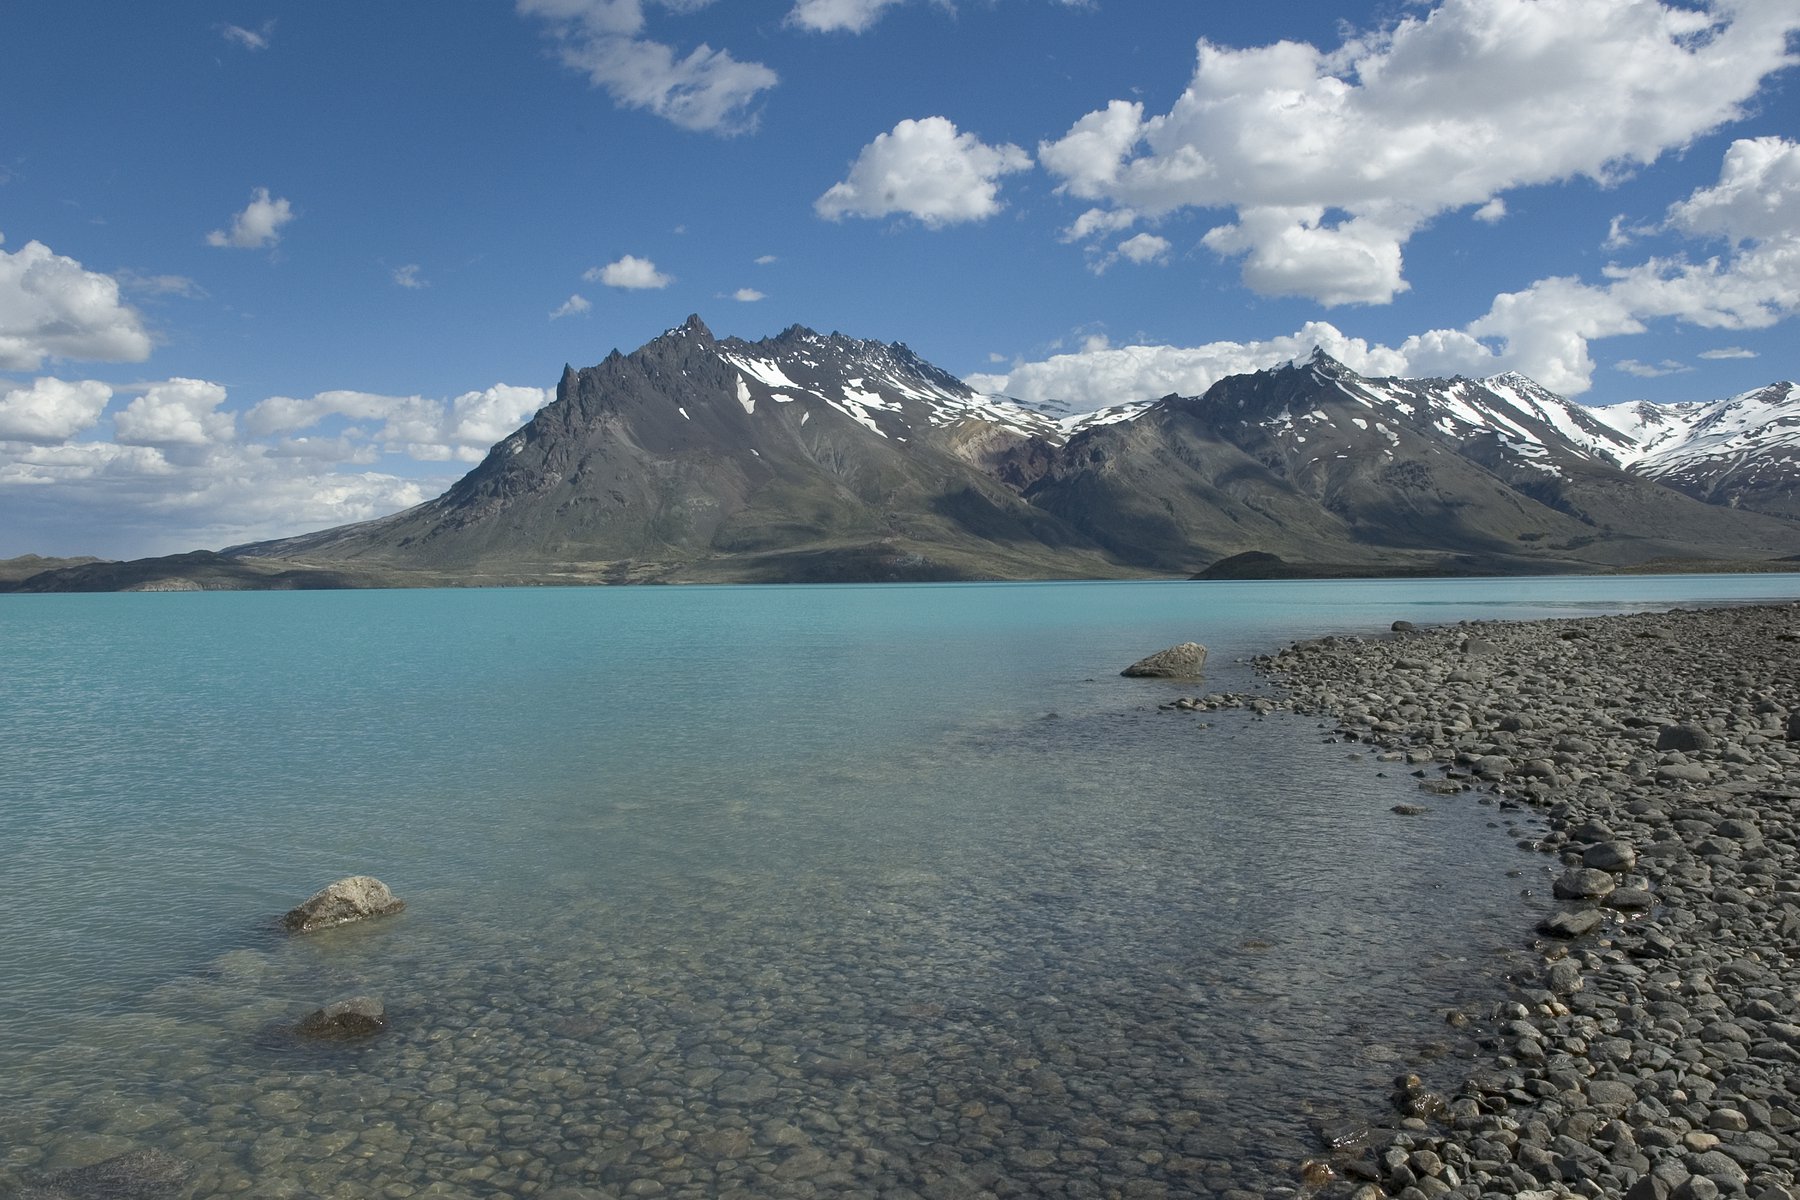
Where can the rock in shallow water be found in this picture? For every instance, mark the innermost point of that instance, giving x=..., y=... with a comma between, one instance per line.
x=344, y=1020
x=138, y=1175
x=1177, y=662
x=354, y=898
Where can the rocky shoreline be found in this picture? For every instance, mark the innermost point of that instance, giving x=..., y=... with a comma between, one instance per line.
x=1655, y=1050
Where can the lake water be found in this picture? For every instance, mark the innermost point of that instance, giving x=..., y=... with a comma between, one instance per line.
x=882, y=891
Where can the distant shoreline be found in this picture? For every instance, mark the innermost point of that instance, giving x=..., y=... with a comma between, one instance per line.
x=208, y=571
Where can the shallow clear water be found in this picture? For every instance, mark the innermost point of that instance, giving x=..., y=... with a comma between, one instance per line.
x=775, y=891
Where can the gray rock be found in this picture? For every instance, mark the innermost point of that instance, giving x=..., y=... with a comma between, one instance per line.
x=137, y=1175
x=1563, y=978
x=354, y=898
x=1572, y=924
x=345, y=1020
x=1582, y=883
x=1684, y=737
x=1610, y=856
x=1177, y=662
x=1403, y=627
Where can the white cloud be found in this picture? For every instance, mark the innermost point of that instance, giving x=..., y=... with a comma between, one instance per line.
x=1293, y=252
x=1333, y=160
x=53, y=307
x=257, y=226
x=409, y=276
x=1728, y=352
x=748, y=295
x=1757, y=198
x=175, y=477
x=179, y=412
x=838, y=16
x=1644, y=370
x=629, y=272
x=857, y=16
x=765, y=259
x=1142, y=248
x=50, y=410
x=130, y=501
x=249, y=39
x=462, y=428
x=1102, y=374
x=576, y=303
x=1097, y=222
x=927, y=170
x=706, y=89
x=1491, y=213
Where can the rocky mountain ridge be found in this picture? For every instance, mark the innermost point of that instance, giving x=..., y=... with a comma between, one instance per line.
x=810, y=456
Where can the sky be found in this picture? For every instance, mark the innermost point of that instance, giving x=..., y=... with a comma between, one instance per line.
x=267, y=267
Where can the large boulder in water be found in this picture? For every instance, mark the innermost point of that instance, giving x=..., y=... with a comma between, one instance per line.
x=356, y=898
x=1177, y=662
x=344, y=1020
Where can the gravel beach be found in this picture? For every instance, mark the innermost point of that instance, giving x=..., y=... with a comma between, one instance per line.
x=1654, y=1049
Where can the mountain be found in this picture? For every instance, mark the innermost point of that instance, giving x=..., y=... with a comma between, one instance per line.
x=798, y=457
x=809, y=457
x=1743, y=451
x=1316, y=463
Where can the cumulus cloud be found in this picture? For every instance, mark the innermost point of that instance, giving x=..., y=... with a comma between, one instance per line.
x=1101, y=374
x=1142, y=248
x=50, y=410
x=1491, y=213
x=575, y=304
x=838, y=16
x=179, y=412
x=927, y=170
x=409, y=277
x=747, y=296
x=764, y=260
x=53, y=307
x=629, y=272
x=462, y=428
x=1728, y=352
x=1332, y=160
x=1097, y=222
x=180, y=472
x=705, y=89
x=257, y=226
x=130, y=501
x=1757, y=198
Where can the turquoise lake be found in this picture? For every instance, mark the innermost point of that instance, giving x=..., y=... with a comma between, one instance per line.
x=890, y=891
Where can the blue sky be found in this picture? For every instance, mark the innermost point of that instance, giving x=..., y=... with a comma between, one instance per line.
x=269, y=267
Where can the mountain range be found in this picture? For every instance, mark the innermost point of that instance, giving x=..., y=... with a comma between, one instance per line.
x=811, y=457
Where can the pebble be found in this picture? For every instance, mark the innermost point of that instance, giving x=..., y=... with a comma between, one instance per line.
x=1642, y=1059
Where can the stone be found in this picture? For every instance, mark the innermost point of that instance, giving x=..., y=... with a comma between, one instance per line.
x=345, y=1020
x=354, y=898
x=1403, y=627
x=1683, y=737
x=1563, y=978
x=134, y=1175
x=1177, y=662
x=1571, y=924
x=1582, y=883
x=1610, y=856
